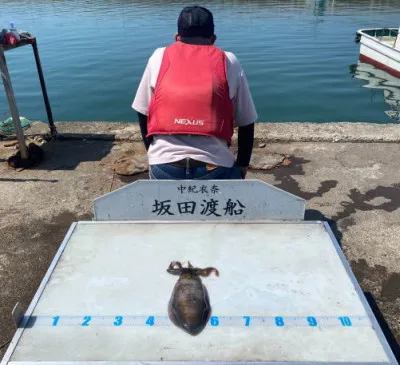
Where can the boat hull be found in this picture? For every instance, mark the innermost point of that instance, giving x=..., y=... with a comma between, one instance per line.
x=379, y=54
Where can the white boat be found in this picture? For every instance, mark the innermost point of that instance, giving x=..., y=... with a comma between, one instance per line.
x=379, y=79
x=380, y=47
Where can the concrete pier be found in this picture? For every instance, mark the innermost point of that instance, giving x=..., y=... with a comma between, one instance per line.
x=348, y=173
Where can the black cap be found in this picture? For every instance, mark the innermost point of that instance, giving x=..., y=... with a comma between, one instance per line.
x=195, y=21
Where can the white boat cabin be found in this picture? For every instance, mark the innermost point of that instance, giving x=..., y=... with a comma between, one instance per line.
x=389, y=36
x=381, y=48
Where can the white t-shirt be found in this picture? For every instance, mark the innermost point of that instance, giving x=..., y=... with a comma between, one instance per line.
x=171, y=148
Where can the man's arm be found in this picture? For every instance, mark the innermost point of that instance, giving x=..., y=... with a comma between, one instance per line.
x=143, y=130
x=145, y=91
x=245, y=148
x=245, y=114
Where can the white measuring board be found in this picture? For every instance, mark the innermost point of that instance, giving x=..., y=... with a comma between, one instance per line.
x=285, y=294
x=198, y=200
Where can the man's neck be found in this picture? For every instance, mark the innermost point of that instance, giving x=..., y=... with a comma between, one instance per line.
x=196, y=40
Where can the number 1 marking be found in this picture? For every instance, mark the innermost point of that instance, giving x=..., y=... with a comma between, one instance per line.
x=55, y=320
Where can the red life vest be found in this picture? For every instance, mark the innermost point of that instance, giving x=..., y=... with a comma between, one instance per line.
x=192, y=93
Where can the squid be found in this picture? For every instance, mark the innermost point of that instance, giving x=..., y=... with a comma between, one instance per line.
x=189, y=307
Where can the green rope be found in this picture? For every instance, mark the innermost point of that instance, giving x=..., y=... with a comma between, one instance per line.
x=7, y=126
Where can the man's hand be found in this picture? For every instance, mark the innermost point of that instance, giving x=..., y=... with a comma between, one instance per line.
x=143, y=130
x=245, y=147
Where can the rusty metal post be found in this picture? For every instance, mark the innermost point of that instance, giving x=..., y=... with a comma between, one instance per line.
x=12, y=105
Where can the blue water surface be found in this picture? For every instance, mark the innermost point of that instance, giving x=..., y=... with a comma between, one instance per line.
x=299, y=55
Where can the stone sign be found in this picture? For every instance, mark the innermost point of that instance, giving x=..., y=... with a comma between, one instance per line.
x=188, y=200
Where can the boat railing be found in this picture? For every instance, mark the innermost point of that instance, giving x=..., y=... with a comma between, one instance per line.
x=382, y=32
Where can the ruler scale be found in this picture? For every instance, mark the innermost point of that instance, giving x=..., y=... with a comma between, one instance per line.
x=215, y=321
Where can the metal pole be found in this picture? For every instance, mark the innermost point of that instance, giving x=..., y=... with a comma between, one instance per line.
x=12, y=105
x=44, y=91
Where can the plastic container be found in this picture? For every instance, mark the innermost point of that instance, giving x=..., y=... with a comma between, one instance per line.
x=14, y=31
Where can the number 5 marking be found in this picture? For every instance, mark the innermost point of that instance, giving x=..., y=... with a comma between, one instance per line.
x=312, y=321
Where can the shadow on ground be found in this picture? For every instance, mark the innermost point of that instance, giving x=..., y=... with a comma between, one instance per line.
x=316, y=215
x=390, y=338
x=133, y=178
x=67, y=155
x=363, y=201
x=284, y=179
